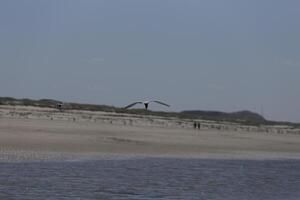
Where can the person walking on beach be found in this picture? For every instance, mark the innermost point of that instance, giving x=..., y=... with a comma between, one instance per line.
x=199, y=125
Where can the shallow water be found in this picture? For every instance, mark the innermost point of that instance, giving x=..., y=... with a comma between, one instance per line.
x=152, y=178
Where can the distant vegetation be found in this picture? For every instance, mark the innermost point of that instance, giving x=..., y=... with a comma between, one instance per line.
x=241, y=117
x=244, y=117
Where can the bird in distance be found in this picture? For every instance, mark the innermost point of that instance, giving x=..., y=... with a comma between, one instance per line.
x=146, y=104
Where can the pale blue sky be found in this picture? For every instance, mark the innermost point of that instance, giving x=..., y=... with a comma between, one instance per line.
x=210, y=55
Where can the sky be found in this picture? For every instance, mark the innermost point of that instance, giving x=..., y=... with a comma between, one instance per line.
x=208, y=55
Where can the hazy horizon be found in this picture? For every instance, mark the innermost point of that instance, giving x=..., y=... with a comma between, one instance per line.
x=201, y=55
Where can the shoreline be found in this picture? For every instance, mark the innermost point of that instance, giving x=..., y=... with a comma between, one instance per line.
x=26, y=156
x=38, y=134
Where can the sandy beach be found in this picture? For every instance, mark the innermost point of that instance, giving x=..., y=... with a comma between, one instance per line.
x=29, y=133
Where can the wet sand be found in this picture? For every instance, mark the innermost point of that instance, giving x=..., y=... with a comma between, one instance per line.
x=81, y=135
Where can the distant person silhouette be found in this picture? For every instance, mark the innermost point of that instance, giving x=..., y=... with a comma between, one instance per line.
x=195, y=125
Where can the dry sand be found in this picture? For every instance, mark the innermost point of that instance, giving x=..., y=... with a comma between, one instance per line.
x=28, y=133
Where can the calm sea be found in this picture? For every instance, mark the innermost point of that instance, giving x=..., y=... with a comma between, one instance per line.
x=152, y=178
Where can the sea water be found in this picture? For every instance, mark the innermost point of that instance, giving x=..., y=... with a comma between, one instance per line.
x=152, y=178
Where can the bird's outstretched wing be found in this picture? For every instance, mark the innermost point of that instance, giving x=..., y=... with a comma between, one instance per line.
x=130, y=105
x=162, y=103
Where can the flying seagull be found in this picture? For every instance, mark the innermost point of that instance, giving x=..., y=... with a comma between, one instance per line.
x=146, y=103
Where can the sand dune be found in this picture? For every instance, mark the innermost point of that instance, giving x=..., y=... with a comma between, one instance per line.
x=28, y=133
